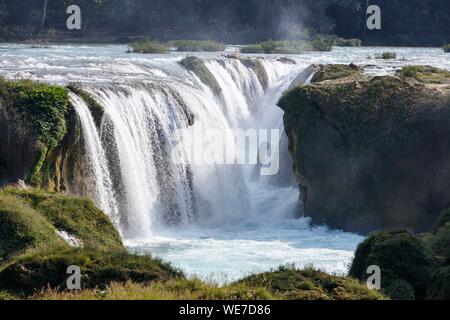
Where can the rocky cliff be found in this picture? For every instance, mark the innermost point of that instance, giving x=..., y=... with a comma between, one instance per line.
x=371, y=152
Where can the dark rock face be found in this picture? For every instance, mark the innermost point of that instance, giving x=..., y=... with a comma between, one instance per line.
x=370, y=153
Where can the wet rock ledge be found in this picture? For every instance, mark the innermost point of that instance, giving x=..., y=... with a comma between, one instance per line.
x=371, y=153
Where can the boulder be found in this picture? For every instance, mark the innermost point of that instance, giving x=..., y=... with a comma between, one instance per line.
x=370, y=153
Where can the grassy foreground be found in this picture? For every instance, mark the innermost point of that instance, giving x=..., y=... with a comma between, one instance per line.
x=34, y=258
x=283, y=284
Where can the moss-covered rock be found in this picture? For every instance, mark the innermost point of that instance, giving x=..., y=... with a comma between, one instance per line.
x=370, y=153
x=336, y=71
x=258, y=68
x=37, y=129
x=404, y=260
x=40, y=269
x=76, y=216
x=96, y=108
x=21, y=227
x=425, y=74
x=198, y=67
x=310, y=284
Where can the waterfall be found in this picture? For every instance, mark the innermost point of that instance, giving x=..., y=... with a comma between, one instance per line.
x=136, y=182
x=99, y=173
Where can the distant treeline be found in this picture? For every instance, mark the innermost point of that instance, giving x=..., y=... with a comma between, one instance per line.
x=404, y=22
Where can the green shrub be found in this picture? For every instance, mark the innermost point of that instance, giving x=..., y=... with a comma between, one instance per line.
x=198, y=67
x=447, y=48
x=387, y=55
x=147, y=46
x=400, y=255
x=197, y=45
x=31, y=273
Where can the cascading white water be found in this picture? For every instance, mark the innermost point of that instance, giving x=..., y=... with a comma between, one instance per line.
x=99, y=173
x=140, y=125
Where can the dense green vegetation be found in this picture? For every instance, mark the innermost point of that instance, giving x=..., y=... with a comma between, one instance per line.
x=38, y=111
x=412, y=267
x=415, y=22
x=147, y=46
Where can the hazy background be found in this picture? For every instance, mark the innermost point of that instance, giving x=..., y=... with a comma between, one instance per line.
x=404, y=22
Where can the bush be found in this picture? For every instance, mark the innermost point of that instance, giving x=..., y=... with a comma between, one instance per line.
x=447, y=48
x=147, y=46
x=341, y=42
x=400, y=255
x=387, y=55
x=197, y=45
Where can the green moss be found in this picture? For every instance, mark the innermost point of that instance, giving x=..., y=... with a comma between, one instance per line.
x=97, y=110
x=147, y=46
x=310, y=284
x=39, y=112
x=425, y=74
x=31, y=273
x=198, y=67
x=197, y=45
x=22, y=227
x=401, y=256
x=358, y=110
x=257, y=67
x=42, y=106
x=77, y=216
x=336, y=71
